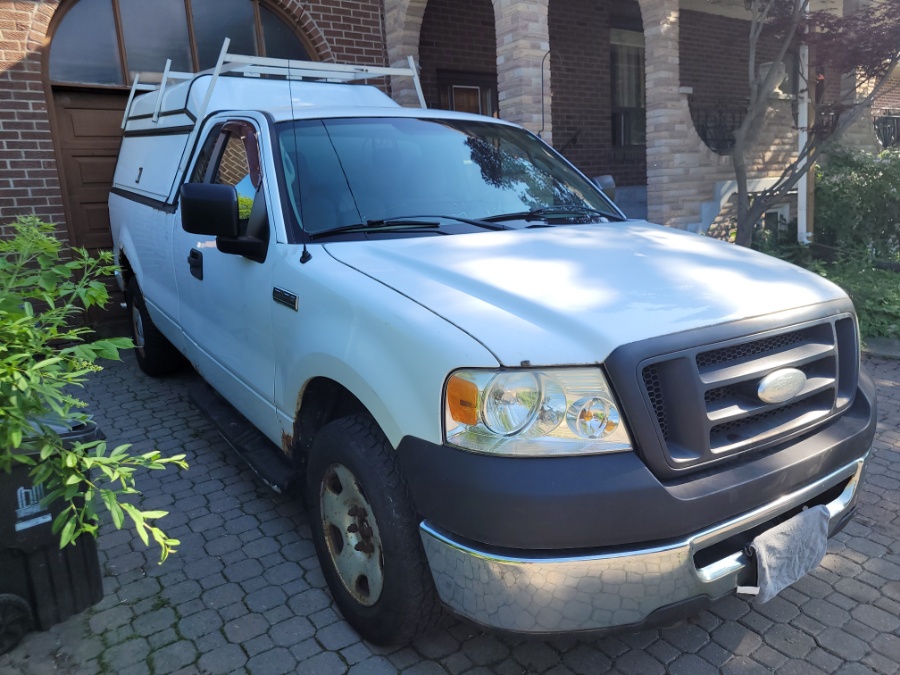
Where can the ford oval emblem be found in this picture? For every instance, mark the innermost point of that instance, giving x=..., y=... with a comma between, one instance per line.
x=781, y=386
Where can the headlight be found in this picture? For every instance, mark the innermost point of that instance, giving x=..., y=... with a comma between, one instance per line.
x=533, y=413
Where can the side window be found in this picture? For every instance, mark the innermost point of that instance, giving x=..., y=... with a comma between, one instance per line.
x=234, y=170
x=206, y=154
x=231, y=157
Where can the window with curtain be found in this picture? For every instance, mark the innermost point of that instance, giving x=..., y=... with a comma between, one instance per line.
x=627, y=98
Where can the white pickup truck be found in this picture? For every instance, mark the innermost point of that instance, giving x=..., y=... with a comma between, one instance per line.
x=501, y=396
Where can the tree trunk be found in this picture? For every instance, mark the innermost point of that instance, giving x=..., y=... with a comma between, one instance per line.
x=744, y=229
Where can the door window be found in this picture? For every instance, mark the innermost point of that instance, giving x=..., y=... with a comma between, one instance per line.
x=231, y=157
x=234, y=170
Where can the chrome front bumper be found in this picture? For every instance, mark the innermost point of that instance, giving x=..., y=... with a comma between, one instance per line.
x=596, y=592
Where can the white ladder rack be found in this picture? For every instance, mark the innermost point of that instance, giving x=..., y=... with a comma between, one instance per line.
x=258, y=66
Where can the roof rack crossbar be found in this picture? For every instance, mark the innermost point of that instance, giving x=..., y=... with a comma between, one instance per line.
x=162, y=90
x=201, y=111
x=135, y=87
x=416, y=81
x=257, y=66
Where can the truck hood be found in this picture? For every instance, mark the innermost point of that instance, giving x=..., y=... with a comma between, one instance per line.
x=572, y=294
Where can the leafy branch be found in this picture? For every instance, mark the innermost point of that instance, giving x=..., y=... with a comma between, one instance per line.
x=44, y=353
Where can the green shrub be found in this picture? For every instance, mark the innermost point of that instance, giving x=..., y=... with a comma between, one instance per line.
x=857, y=203
x=781, y=242
x=875, y=293
x=44, y=353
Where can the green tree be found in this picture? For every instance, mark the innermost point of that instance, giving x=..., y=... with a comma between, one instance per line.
x=863, y=43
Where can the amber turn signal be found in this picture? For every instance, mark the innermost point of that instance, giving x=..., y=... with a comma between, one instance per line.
x=462, y=400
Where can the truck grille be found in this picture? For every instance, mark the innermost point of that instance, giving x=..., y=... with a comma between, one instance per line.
x=705, y=400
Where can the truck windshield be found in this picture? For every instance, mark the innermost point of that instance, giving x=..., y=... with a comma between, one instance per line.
x=341, y=173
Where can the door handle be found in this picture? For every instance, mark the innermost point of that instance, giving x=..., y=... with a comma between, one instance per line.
x=195, y=261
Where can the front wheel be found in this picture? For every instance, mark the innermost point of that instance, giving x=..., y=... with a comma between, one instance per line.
x=155, y=354
x=366, y=534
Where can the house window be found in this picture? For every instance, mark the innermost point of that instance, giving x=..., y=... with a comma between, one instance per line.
x=776, y=218
x=468, y=92
x=627, y=88
x=131, y=36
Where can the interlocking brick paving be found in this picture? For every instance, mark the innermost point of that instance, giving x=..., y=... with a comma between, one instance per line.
x=245, y=594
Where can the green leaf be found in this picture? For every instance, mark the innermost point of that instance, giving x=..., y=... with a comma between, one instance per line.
x=120, y=450
x=112, y=505
x=59, y=520
x=139, y=524
x=68, y=533
x=46, y=363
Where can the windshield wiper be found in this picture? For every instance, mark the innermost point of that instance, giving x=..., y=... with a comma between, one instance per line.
x=482, y=223
x=381, y=225
x=548, y=212
x=405, y=222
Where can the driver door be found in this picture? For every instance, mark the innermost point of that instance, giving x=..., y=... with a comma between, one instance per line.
x=225, y=298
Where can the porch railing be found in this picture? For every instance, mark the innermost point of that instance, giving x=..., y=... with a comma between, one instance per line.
x=888, y=130
x=716, y=124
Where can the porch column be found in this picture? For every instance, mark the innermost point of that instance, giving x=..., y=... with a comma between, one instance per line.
x=668, y=118
x=522, y=42
x=403, y=26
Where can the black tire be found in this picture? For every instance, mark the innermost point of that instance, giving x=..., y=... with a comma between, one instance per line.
x=155, y=354
x=403, y=602
x=15, y=621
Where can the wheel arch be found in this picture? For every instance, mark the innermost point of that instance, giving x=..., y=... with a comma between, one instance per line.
x=126, y=269
x=321, y=401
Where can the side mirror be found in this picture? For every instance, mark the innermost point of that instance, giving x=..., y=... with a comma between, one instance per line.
x=607, y=185
x=209, y=209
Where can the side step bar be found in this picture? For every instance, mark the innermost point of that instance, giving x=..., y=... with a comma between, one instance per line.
x=264, y=457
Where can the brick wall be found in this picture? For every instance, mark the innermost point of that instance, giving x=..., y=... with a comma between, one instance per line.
x=714, y=53
x=347, y=31
x=457, y=35
x=890, y=95
x=28, y=179
x=339, y=30
x=580, y=61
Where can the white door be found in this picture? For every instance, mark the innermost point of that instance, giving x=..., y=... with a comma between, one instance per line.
x=226, y=299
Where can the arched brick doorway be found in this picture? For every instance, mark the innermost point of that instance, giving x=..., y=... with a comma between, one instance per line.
x=458, y=56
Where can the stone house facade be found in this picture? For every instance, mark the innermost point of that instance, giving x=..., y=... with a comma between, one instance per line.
x=640, y=90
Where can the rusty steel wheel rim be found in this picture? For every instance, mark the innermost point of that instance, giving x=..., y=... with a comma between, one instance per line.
x=351, y=535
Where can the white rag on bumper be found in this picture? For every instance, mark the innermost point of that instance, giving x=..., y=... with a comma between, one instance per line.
x=789, y=551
